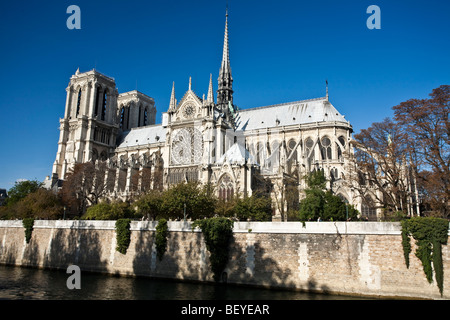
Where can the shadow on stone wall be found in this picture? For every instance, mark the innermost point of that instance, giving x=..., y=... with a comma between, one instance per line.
x=266, y=271
x=142, y=261
x=9, y=255
x=75, y=247
x=185, y=257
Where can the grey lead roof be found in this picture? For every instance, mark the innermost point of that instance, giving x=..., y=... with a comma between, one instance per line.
x=291, y=113
x=142, y=136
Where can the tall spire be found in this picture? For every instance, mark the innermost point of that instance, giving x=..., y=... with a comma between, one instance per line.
x=172, y=104
x=210, y=97
x=225, y=91
x=225, y=67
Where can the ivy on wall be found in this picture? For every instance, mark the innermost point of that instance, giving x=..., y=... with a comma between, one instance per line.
x=217, y=233
x=28, y=225
x=123, y=235
x=430, y=234
x=162, y=232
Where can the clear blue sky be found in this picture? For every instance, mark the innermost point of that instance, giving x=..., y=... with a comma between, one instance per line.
x=280, y=51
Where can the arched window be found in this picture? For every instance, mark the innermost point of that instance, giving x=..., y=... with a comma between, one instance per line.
x=94, y=155
x=325, y=148
x=97, y=99
x=226, y=189
x=292, y=151
x=105, y=98
x=368, y=208
x=340, y=148
x=139, y=117
x=122, y=115
x=334, y=173
x=78, y=102
x=259, y=152
x=145, y=116
x=309, y=144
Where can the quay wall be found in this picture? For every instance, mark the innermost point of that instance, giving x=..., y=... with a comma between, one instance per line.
x=349, y=258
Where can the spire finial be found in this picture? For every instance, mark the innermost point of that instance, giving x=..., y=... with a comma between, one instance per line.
x=173, y=102
x=210, y=97
x=326, y=81
x=190, y=83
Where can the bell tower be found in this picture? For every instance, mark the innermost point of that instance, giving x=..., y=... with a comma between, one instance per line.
x=89, y=128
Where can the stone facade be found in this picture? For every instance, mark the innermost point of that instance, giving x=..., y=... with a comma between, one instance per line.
x=350, y=258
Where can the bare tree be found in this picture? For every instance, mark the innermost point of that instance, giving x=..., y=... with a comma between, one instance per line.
x=84, y=186
x=383, y=162
x=427, y=124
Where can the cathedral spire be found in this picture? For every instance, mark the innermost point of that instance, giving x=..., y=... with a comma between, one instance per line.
x=210, y=98
x=225, y=91
x=172, y=104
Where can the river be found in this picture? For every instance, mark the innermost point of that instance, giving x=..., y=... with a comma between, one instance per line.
x=19, y=283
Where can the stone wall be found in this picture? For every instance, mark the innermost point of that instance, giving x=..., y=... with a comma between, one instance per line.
x=354, y=258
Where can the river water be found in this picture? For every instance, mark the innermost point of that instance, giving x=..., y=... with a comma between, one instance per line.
x=19, y=283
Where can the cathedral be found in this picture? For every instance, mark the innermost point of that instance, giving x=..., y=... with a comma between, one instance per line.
x=206, y=139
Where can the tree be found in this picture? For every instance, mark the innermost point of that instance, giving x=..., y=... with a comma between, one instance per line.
x=41, y=204
x=149, y=204
x=196, y=200
x=312, y=206
x=84, y=186
x=109, y=211
x=383, y=160
x=255, y=208
x=427, y=124
x=321, y=203
x=21, y=189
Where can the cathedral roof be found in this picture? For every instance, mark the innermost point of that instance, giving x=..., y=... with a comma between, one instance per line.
x=291, y=113
x=142, y=136
x=237, y=154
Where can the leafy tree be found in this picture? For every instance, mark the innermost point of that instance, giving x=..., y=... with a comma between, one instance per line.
x=312, y=206
x=336, y=209
x=149, y=204
x=256, y=208
x=41, y=204
x=21, y=189
x=109, y=211
x=323, y=204
x=198, y=201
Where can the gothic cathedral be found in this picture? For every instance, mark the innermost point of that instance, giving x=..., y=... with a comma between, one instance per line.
x=203, y=139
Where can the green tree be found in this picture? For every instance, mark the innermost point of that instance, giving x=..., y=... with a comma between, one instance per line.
x=109, y=211
x=312, y=206
x=21, y=189
x=149, y=204
x=323, y=204
x=256, y=208
x=198, y=201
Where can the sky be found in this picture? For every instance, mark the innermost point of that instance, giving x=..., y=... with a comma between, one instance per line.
x=280, y=51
